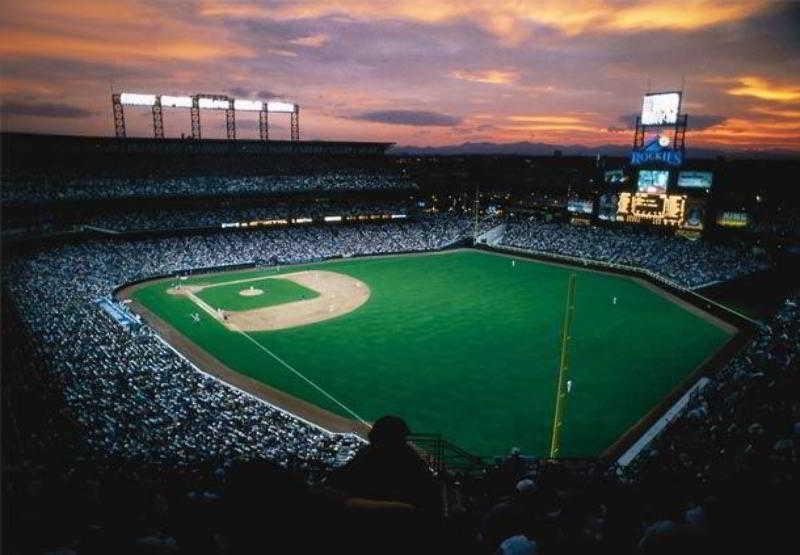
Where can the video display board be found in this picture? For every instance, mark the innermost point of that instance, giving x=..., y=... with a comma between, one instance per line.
x=653, y=209
x=580, y=206
x=661, y=108
x=615, y=176
x=695, y=180
x=733, y=219
x=653, y=182
x=607, y=209
x=695, y=214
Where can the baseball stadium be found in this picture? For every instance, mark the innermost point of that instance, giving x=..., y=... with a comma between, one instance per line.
x=445, y=277
x=276, y=320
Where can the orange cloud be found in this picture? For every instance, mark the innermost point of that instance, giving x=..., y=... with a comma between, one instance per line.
x=506, y=19
x=121, y=32
x=32, y=43
x=27, y=87
x=490, y=76
x=681, y=15
x=234, y=10
x=551, y=127
x=60, y=13
x=738, y=131
x=763, y=89
x=555, y=120
x=314, y=41
x=778, y=113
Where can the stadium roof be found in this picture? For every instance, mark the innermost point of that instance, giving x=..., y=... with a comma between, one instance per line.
x=16, y=145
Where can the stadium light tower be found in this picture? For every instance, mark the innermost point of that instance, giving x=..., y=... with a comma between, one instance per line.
x=295, y=124
x=119, y=116
x=158, y=119
x=198, y=102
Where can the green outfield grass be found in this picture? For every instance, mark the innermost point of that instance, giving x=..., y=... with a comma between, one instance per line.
x=467, y=345
x=276, y=291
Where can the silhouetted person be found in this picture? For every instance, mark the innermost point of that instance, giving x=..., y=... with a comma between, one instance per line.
x=268, y=510
x=390, y=494
x=389, y=469
x=512, y=516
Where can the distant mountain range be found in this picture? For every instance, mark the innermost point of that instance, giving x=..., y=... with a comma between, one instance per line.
x=526, y=148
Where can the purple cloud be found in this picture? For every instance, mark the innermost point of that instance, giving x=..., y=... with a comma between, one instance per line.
x=409, y=117
x=45, y=110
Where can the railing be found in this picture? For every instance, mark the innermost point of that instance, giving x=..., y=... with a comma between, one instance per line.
x=441, y=455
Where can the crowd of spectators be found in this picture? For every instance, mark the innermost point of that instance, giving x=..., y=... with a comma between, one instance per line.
x=160, y=458
x=216, y=213
x=134, y=399
x=106, y=371
x=782, y=222
x=687, y=263
x=721, y=479
x=48, y=188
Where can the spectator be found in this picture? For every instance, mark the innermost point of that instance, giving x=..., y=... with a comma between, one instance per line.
x=389, y=455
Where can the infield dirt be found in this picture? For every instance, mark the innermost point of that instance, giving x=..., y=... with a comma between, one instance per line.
x=338, y=295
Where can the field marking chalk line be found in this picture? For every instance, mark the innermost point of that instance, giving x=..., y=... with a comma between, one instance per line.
x=301, y=376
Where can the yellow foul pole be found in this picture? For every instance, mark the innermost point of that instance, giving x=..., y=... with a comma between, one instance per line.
x=563, y=368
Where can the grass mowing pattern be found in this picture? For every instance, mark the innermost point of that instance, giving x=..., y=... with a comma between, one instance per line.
x=276, y=291
x=466, y=345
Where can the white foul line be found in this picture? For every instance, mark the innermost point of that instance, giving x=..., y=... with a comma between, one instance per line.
x=301, y=376
x=246, y=280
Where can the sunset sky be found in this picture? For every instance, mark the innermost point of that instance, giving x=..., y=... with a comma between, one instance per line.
x=415, y=72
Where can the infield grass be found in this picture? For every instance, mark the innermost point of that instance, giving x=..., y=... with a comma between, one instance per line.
x=275, y=291
x=467, y=345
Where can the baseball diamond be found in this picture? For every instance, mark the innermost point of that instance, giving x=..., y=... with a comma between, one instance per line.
x=441, y=335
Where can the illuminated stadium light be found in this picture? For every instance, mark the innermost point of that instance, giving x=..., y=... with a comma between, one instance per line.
x=134, y=99
x=205, y=102
x=176, y=101
x=214, y=104
x=248, y=105
x=280, y=107
x=333, y=218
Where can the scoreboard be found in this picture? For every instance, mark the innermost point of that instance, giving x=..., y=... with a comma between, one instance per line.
x=661, y=108
x=733, y=219
x=653, y=209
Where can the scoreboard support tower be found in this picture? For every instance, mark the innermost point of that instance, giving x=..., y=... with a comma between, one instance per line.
x=563, y=369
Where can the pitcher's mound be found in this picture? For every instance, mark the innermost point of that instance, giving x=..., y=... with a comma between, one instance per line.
x=251, y=292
